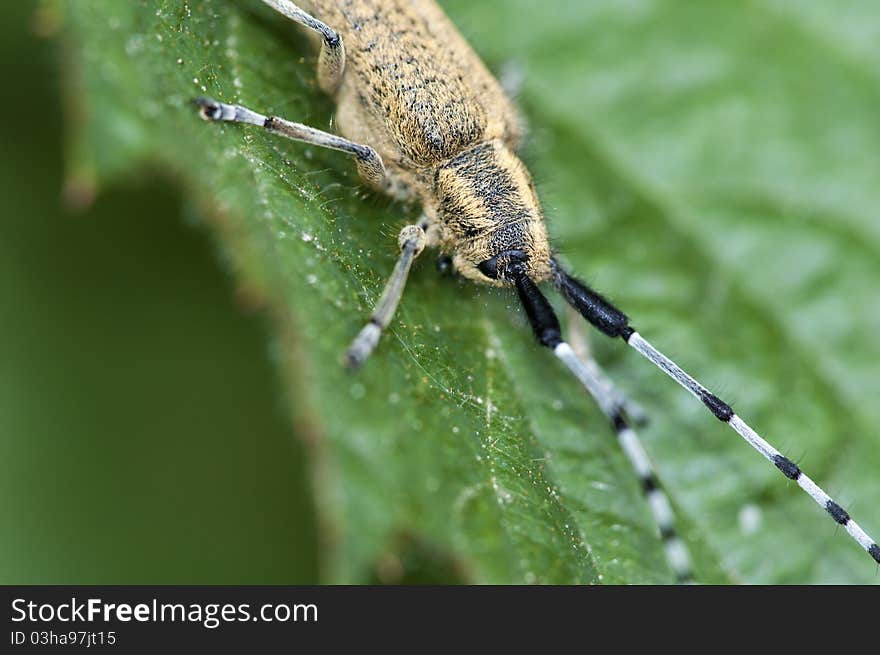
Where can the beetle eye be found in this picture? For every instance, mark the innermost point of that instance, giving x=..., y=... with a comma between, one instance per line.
x=504, y=264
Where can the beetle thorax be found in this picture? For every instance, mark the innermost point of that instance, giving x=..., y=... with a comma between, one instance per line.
x=486, y=204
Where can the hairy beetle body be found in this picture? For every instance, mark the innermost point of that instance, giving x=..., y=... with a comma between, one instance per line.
x=426, y=122
x=415, y=91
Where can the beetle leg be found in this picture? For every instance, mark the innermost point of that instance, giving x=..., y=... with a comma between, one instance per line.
x=331, y=61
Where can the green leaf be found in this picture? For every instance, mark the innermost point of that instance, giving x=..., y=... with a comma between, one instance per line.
x=711, y=165
x=141, y=433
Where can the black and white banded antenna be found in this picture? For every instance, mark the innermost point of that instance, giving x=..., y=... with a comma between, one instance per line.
x=614, y=323
x=622, y=413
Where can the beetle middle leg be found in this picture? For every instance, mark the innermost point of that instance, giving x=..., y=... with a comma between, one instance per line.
x=369, y=163
x=331, y=61
x=412, y=241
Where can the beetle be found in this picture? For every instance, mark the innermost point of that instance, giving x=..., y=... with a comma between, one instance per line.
x=426, y=122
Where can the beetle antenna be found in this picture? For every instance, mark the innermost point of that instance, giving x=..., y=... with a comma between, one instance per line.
x=545, y=325
x=614, y=323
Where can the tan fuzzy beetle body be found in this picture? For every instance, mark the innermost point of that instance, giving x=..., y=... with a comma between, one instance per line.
x=414, y=90
x=426, y=122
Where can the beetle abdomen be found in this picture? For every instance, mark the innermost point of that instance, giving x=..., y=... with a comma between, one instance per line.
x=424, y=91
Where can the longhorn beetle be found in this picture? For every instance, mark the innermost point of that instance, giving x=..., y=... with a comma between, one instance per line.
x=426, y=122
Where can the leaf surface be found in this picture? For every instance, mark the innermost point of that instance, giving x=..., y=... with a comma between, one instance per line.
x=709, y=166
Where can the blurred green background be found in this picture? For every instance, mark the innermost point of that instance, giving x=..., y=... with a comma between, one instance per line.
x=142, y=435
